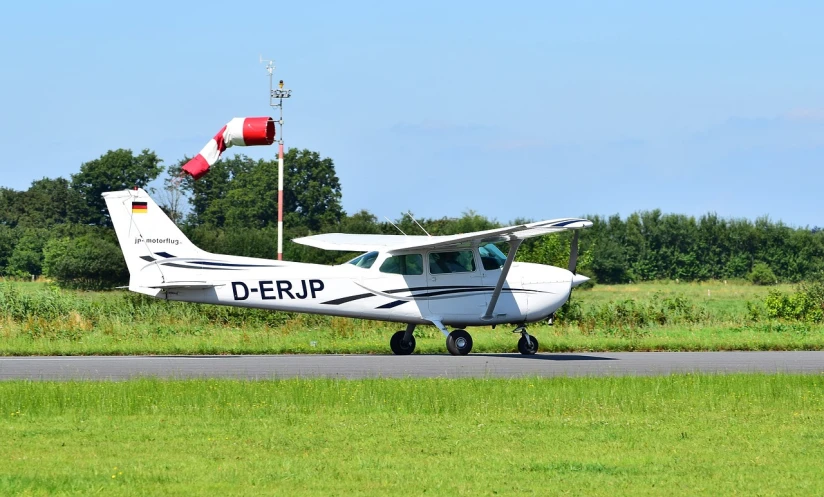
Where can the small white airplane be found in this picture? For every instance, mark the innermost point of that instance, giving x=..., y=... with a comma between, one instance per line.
x=447, y=281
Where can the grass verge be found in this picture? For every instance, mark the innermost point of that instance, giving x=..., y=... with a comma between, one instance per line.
x=36, y=319
x=674, y=435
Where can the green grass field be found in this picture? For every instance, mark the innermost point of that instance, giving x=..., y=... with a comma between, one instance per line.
x=38, y=319
x=675, y=435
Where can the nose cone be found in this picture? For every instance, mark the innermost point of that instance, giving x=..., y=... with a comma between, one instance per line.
x=578, y=279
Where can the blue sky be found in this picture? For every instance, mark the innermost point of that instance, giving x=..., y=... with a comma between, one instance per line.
x=512, y=109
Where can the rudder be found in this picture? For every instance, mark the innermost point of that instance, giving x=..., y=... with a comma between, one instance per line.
x=145, y=232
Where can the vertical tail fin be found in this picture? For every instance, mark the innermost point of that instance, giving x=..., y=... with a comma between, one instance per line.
x=146, y=234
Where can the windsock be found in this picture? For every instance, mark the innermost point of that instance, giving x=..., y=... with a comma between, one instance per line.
x=240, y=131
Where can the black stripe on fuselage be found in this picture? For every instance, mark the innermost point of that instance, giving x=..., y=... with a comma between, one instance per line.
x=226, y=264
x=204, y=264
x=426, y=296
x=172, y=264
x=352, y=298
x=441, y=290
x=391, y=304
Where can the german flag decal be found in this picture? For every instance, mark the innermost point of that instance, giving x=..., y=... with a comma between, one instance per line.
x=140, y=208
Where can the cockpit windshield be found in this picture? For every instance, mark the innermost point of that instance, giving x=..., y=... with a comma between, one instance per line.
x=491, y=256
x=365, y=261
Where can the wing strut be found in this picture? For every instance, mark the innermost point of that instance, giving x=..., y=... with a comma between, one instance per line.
x=513, y=248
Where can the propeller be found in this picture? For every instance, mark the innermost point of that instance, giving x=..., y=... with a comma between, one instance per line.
x=573, y=252
x=577, y=279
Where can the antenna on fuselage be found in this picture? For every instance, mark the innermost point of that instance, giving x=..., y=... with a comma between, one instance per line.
x=395, y=225
x=409, y=213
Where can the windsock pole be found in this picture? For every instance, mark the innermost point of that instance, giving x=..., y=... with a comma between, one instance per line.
x=276, y=96
x=280, y=198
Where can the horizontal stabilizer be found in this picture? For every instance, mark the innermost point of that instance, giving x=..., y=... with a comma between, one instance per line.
x=185, y=285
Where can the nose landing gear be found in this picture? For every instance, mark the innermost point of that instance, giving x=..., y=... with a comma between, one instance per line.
x=527, y=344
x=403, y=342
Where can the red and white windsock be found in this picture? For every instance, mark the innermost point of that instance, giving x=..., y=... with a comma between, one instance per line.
x=241, y=132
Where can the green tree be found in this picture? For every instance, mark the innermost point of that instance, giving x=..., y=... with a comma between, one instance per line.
x=8, y=241
x=312, y=191
x=27, y=257
x=10, y=206
x=50, y=201
x=85, y=262
x=115, y=170
x=239, y=192
x=207, y=195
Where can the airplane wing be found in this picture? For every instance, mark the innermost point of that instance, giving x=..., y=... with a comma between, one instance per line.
x=355, y=243
x=509, y=233
x=395, y=243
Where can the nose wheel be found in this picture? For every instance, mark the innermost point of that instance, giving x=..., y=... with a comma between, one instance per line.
x=403, y=342
x=459, y=342
x=527, y=344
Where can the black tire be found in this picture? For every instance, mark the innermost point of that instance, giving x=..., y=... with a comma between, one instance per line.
x=459, y=342
x=399, y=347
x=525, y=349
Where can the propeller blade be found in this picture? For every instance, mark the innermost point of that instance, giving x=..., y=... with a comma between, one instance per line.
x=573, y=252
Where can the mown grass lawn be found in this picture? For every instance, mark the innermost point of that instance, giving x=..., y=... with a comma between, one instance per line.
x=675, y=435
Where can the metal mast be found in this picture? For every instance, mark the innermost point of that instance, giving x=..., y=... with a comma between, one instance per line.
x=276, y=96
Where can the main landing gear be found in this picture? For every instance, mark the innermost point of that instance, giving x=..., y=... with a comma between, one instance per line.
x=527, y=344
x=459, y=342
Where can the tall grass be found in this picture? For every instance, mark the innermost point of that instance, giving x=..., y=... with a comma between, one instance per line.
x=52, y=304
x=41, y=319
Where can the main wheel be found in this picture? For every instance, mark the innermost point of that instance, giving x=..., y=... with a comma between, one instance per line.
x=401, y=347
x=459, y=342
x=528, y=349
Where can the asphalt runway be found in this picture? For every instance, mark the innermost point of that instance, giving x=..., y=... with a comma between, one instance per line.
x=414, y=366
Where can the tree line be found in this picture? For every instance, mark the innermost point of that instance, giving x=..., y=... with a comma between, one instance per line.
x=60, y=228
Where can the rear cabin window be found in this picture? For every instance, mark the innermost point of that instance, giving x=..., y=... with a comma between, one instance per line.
x=411, y=264
x=460, y=261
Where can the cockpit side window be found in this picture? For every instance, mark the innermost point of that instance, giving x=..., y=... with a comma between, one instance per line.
x=491, y=256
x=365, y=261
x=409, y=264
x=459, y=261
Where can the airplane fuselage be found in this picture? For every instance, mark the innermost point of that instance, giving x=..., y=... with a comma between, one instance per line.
x=531, y=292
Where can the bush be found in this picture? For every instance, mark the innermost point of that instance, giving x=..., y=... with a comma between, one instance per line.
x=762, y=274
x=629, y=313
x=86, y=262
x=806, y=304
x=27, y=257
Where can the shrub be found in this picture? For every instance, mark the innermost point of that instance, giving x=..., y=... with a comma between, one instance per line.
x=86, y=262
x=762, y=274
x=806, y=304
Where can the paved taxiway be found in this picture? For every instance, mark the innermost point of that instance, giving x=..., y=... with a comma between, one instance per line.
x=415, y=366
